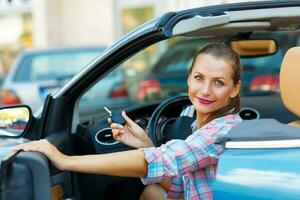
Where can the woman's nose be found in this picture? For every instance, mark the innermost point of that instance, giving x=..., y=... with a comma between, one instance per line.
x=206, y=89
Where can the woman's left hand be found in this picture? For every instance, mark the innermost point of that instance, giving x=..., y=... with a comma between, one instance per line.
x=44, y=146
x=131, y=133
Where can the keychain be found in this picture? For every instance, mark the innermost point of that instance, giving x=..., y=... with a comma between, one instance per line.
x=116, y=117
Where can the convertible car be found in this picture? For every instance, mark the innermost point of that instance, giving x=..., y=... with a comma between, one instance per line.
x=262, y=155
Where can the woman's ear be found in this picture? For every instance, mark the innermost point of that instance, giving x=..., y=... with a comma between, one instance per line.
x=236, y=90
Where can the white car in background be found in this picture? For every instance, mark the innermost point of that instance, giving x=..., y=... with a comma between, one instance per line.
x=39, y=72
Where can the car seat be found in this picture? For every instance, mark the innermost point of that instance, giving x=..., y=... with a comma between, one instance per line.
x=290, y=81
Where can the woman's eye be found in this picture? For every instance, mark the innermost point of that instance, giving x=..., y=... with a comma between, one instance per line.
x=197, y=77
x=219, y=83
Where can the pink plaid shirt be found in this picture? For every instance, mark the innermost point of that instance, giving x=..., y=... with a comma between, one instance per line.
x=191, y=163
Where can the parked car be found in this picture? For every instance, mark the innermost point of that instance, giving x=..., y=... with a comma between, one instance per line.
x=261, y=154
x=36, y=73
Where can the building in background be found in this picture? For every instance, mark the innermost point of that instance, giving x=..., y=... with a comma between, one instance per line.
x=61, y=23
x=15, y=30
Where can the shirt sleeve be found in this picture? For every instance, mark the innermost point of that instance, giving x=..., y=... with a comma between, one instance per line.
x=179, y=157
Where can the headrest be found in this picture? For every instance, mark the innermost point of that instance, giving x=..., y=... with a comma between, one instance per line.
x=290, y=80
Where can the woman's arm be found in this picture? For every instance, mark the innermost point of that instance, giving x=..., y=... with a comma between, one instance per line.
x=126, y=163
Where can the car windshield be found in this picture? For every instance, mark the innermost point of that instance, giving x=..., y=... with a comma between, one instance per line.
x=260, y=74
x=161, y=70
x=53, y=65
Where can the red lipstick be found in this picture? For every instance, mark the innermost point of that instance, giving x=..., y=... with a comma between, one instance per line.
x=205, y=101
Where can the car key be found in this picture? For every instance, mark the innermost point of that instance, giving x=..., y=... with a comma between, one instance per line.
x=116, y=117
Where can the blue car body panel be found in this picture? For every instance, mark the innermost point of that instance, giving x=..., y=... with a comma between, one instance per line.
x=261, y=160
x=258, y=174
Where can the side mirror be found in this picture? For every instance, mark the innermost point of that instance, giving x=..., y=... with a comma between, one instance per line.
x=254, y=47
x=14, y=120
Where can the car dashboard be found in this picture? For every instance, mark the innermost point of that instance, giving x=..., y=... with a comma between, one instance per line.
x=100, y=140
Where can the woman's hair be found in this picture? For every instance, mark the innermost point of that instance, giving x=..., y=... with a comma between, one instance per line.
x=225, y=52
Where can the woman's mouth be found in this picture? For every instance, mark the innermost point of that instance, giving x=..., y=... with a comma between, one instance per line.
x=205, y=101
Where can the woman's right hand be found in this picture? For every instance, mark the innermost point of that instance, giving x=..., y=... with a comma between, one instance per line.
x=44, y=146
x=130, y=134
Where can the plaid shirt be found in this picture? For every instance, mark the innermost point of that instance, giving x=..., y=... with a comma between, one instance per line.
x=191, y=163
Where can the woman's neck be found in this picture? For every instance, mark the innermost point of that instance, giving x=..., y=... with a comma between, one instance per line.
x=202, y=119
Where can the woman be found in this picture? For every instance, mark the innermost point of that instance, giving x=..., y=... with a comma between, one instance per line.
x=214, y=84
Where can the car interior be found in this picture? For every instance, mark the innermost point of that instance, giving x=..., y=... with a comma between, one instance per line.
x=76, y=132
x=160, y=117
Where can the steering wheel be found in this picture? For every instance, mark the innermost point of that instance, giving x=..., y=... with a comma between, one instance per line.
x=166, y=120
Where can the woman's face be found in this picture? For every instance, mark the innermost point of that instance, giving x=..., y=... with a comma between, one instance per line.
x=210, y=84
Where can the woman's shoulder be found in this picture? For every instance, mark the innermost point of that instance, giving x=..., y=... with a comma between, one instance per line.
x=217, y=127
x=227, y=120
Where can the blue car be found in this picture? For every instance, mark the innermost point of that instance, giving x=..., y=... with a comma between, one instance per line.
x=261, y=158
